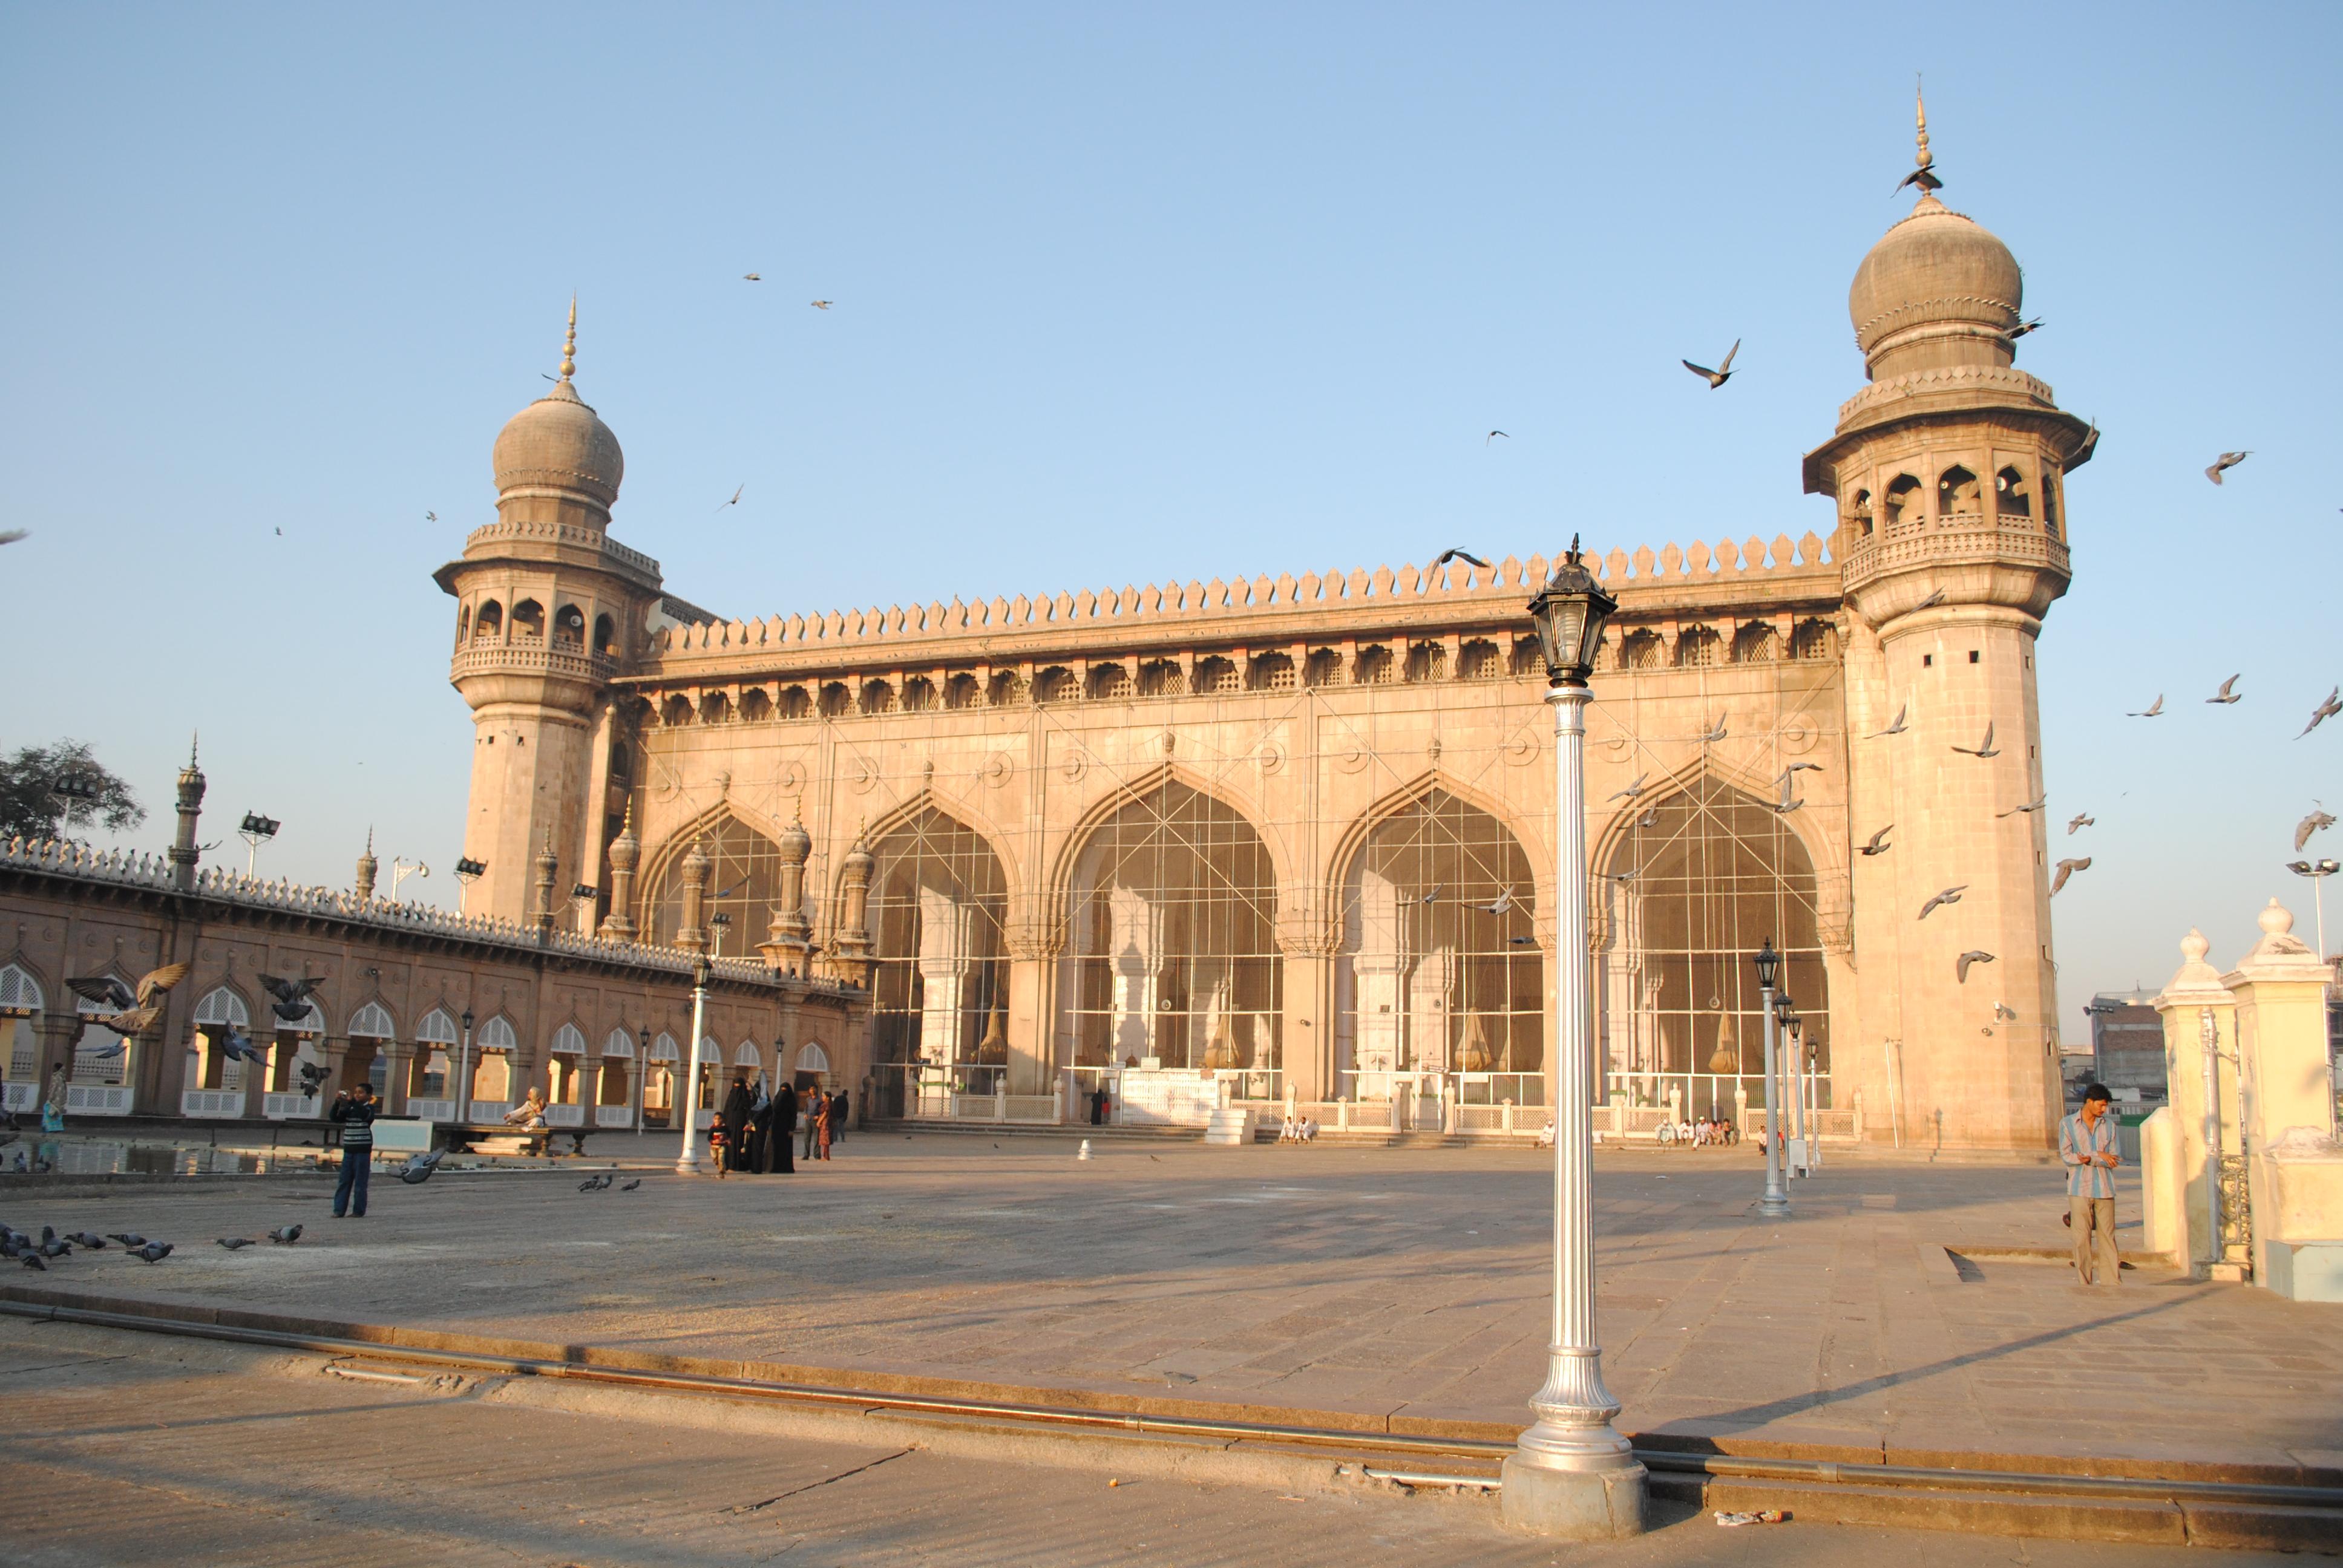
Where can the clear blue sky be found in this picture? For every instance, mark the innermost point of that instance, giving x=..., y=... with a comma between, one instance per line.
x=1127, y=296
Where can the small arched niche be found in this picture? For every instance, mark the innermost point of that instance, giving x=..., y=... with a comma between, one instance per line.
x=2011, y=497
x=1161, y=678
x=1903, y=491
x=1858, y=516
x=835, y=700
x=569, y=626
x=606, y=636
x=527, y=620
x=1958, y=494
x=960, y=691
x=488, y=624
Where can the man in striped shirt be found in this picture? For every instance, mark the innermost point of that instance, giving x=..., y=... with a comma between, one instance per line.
x=2087, y=1146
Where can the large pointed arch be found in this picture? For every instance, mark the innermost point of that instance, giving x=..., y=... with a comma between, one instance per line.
x=743, y=881
x=661, y=860
x=937, y=914
x=1076, y=837
x=1535, y=844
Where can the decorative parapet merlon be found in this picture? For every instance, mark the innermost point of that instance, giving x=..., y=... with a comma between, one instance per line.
x=1226, y=603
x=123, y=868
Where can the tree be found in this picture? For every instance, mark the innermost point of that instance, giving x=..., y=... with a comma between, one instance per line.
x=46, y=790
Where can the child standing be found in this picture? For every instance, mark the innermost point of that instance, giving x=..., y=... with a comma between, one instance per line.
x=719, y=1144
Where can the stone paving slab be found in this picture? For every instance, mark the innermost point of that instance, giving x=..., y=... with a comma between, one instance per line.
x=1406, y=1288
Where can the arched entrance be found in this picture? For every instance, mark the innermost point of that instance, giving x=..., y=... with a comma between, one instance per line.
x=744, y=878
x=938, y=898
x=1700, y=880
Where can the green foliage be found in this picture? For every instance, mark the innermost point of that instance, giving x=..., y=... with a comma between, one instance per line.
x=31, y=806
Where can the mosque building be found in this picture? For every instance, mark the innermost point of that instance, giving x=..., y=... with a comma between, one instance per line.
x=1289, y=840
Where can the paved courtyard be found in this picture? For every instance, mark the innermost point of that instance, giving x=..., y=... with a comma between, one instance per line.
x=1365, y=1286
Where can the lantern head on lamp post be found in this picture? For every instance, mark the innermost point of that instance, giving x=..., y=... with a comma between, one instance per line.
x=1769, y=965
x=1569, y=613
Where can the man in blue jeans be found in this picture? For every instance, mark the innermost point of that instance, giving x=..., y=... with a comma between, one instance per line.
x=355, y=1110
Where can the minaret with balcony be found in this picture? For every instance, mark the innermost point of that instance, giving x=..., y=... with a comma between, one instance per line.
x=549, y=607
x=1948, y=472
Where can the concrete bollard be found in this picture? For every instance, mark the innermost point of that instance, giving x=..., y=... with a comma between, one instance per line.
x=1085, y=1153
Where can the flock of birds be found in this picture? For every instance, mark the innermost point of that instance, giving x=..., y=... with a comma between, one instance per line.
x=48, y=1247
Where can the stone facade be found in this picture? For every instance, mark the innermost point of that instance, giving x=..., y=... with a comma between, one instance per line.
x=1299, y=827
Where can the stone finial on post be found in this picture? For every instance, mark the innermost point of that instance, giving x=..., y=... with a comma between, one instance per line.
x=2294, y=1165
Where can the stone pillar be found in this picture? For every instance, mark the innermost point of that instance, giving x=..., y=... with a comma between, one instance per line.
x=626, y=854
x=399, y=1078
x=2193, y=993
x=1307, y=1035
x=945, y=928
x=850, y=949
x=692, y=933
x=1034, y=951
x=337, y=1063
x=2294, y=1167
x=789, y=936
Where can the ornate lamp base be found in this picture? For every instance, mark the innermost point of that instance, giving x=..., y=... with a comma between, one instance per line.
x=1605, y=1505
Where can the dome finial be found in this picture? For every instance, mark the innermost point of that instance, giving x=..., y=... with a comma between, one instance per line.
x=1923, y=163
x=1919, y=115
x=569, y=347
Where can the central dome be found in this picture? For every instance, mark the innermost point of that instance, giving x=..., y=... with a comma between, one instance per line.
x=557, y=443
x=1937, y=290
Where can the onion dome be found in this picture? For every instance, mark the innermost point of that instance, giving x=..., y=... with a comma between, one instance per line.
x=559, y=444
x=1937, y=290
x=859, y=859
x=796, y=843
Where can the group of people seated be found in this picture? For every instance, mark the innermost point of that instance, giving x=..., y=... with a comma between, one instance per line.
x=1707, y=1129
x=1298, y=1130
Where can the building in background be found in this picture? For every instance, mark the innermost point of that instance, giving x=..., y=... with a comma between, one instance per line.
x=2127, y=1045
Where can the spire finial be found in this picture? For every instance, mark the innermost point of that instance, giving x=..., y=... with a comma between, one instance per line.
x=1920, y=115
x=569, y=346
x=369, y=839
x=194, y=740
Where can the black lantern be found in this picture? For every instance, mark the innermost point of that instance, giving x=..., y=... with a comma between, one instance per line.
x=1570, y=611
x=644, y=1034
x=1785, y=1011
x=1769, y=965
x=467, y=1020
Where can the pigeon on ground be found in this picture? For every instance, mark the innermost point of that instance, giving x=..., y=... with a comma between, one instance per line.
x=592, y=1184
x=632, y=1185
x=1973, y=956
x=32, y=1260
x=2030, y=807
x=1456, y=555
x=1984, y=748
x=291, y=1001
x=2224, y=463
x=154, y=1251
x=417, y=1171
x=1878, y=845
x=134, y=1012
x=87, y=1242
x=2152, y=710
x=1949, y=896
x=1896, y=727
x=285, y=1235
x=127, y=1237
x=2324, y=711
x=1631, y=790
x=2228, y=692
x=2080, y=821
x=2066, y=869
x=233, y=1242
x=2313, y=823
x=1722, y=374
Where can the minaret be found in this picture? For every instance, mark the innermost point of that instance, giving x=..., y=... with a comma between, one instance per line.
x=548, y=876
x=550, y=609
x=184, y=853
x=367, y=868
x=626, y=855
x=1949, y=471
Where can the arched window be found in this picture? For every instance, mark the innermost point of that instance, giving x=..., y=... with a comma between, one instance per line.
x=1477, y=661
x=1053, y=685
x=1528, y=658
x=1214, y=673
x=1439, y=971
x=1172, y=910
x=1859, y=514
x=1426, y=661
x=795, y=702
x=605, y=637
x=1270, y=672
x=960, y=691
x=489, y=624
x=569, y=626
x=835, y=700
x=1374, y=667
x=938, y=901
x=2050, y=504
x=568, y=1041
x=1957, y=493
x=1008, y=688
x=755, y=706
x=1754, y=644
x=19, y=991
x=675, y=710
x=497, y=1034
x=1715, y=875
x=528, y=621
x=1902, y=493
x=223, y=1006
x=463, y=625
x=618, y=1045
x=918, y=694
x=1697, y=647
x=746, y=1054
x=1324, y=669
x=1640, y=649
x=373, y=1020
x=744, y=878
x=1813, y=640
x=437, y=1029
x=2010, y=497
x=813, y=1061
x=1110, y=682
x=1161, y=678
x=715, y=708
x=878, y=697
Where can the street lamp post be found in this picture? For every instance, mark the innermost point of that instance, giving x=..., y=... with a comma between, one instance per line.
x=642, y=1073
x=1572, y=1474
x=1794, y=1090
x=1775, y=1203
x=687, y=1160
x=463, y=1073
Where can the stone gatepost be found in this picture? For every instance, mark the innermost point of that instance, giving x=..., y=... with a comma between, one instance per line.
x=2294, y=1167
x=2194, y=1002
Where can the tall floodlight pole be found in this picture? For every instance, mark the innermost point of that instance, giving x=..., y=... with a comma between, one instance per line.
x=686, y=1161
x=2318, y=871
x=1572, y=1474
x=1775, y=1203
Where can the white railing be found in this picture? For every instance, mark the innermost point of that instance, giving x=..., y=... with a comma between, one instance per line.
x=565, y=1115
x=211, y=1103
x=431, y=1110
x=614, y=1116
x=19, y=1096
x=98, y=1098
x=284, y=1107
x=488, y=1111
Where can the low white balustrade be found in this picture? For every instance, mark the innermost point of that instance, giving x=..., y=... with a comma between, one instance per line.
x=614, y=1116
x=211, y=1103
x=285, y=1107
x=19, y=1096
x=558, y=1115
x=431, y=1109
x=98, y=1098
x=489, y=1110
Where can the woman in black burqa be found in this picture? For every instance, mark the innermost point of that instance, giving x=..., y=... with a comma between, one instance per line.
x=780, y=1154
x=739, y=1106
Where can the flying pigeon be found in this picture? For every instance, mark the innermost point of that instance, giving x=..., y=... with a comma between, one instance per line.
x=2324, y=711
x=1949, y=896
x=1973, y=956
x=233, y=1242
x=1786, y=805
x=2080, y=821
x=2224, y=463
x=239, y=1047
x=1434, y=896
x=1521, y=941
x=1722, y=374
x=417, y=1171
x=2004, y=1013
x=1896, y=727
x=154, y=1251
x=1620, y=876
x=430, y=516
x=2023, y=327
x=820, y=304
x=1504, y=902
x=134, y=1012
x=10, y=536
x=1493, y=436
x=2228, y=692
x=1717, y=734
x=2031, y=805
x=2310, y=825
x=292, y=1003
x=1984, y=748
x=1456, y=555
x=285, y=1235
x=751, y=278
x=1650, y=819
x=736, y=499
x=2151, y=710
x=1878, y=845
x=1933, y=600
x=1631, y=790
x=2066, y=869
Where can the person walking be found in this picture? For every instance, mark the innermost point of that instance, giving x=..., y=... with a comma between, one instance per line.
x=739, y=1103
x=838, y=1117
x=2086, y=1147
x=784, y=1131
x=719, y=1143
x=354, y=1109
x=814, y=1100
x=825, y=1120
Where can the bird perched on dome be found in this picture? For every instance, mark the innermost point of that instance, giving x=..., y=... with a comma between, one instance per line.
x=1924, y=173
